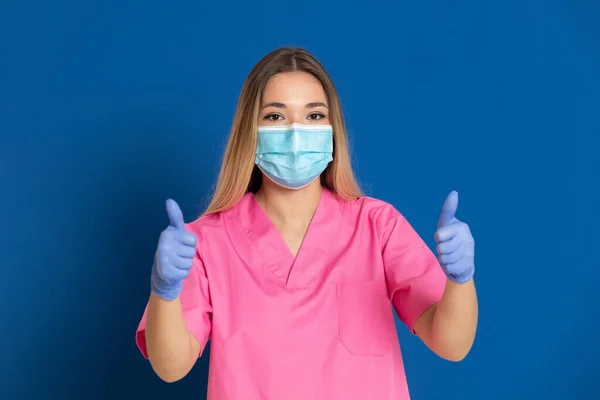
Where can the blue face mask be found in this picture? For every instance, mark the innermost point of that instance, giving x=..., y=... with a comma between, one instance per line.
x=293, y=156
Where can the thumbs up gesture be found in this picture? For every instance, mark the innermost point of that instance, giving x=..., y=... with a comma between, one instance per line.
x=455, y=244
x=174, y=255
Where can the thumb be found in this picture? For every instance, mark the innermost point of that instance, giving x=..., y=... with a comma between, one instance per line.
x=448, y=209
x=175, y=215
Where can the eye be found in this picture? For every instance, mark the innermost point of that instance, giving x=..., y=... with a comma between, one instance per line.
x=273, y=117
x=316, y=116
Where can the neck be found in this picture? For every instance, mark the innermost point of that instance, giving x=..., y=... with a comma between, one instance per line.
x=289, y=207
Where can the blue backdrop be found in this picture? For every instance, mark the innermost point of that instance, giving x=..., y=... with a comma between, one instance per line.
x=108, y=109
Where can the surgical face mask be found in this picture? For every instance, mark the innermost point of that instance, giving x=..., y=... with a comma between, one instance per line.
x=293, y=156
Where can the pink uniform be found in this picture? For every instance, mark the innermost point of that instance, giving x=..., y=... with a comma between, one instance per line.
x=320, y=326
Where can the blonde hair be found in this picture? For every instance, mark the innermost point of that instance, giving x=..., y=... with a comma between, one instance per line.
x=239, y=175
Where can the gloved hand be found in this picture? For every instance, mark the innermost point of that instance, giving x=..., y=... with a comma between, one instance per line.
x=174, y=255
x=455, y=244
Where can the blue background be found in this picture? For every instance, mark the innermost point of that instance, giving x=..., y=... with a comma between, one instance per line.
x=108, y=109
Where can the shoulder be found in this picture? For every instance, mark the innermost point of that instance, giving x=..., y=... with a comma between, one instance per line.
x=204, y=222
x=212, y=224
x=374, y=209
x=383, y=218
x=218, y=222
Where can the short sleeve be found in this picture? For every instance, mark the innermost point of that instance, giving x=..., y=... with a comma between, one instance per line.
x=195, y=304
x=414, y=276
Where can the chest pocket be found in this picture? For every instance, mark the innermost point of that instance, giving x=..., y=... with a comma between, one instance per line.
x=365, y=318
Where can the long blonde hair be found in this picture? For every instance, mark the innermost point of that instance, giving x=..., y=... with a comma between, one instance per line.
x=239, y=175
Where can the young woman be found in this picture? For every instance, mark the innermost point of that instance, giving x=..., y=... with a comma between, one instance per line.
x=292, y=272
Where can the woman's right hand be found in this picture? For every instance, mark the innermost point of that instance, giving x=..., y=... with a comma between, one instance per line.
x=174, y=255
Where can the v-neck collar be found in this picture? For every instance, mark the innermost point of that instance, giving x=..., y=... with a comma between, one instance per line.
x=305, y=269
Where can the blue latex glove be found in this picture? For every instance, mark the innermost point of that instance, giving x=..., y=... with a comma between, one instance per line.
x=174, y=255
x=455, y=244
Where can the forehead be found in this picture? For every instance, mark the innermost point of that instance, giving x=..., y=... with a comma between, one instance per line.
x=294, y=86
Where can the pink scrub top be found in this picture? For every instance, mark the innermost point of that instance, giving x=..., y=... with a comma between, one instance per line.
x=320, y=326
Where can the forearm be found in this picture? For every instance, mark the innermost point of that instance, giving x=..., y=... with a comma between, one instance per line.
x=172, y=349
x=455, y=321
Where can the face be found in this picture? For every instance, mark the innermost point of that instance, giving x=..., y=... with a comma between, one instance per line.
x=293, y=97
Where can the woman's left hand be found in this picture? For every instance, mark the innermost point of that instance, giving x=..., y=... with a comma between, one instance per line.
x=455, y=244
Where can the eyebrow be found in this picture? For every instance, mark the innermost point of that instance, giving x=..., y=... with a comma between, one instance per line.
x=309, y=105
